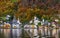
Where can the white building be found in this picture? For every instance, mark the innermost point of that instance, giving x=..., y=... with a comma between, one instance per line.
x=16, y=23
x=35, y=31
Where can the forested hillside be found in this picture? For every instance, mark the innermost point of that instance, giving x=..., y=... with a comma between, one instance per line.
x=27, y=9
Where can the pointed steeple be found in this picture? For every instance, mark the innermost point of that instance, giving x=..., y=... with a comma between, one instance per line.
x=18, y=21
x=14, y=19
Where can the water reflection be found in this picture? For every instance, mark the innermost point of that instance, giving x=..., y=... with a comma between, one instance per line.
x=6, y=32
x=16, y=33
x=11, y=33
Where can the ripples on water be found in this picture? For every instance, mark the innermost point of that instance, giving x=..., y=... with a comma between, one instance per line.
x=16, y=33
x=11, y=33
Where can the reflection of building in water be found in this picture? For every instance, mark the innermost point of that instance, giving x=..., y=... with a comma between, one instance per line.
x=7, y=33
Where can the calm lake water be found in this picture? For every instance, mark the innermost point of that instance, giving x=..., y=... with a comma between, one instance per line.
x=16, y=33
x=11, y=33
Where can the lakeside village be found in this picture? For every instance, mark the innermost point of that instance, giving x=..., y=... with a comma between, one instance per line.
x=35, y=23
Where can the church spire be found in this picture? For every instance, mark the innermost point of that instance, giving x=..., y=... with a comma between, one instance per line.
x=14, y=19
x=18, y=21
